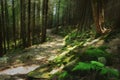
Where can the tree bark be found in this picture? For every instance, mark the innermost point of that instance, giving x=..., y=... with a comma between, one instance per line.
x=7, y=25
x=44, y=20
x=1, y=38
x=38, y=29
x=33, y=21
x=98, y=16
x=57, y=15
x=23, y=26
x=29, y=41
x=3, y=24
x=14, y=23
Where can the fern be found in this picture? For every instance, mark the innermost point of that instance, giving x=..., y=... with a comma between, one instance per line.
x=103, y=47
x=97, y=63
x=95, y=52
x=110, y=71
x=63, y=75
x=93, y=65
x=98, y=67
x=83, y=66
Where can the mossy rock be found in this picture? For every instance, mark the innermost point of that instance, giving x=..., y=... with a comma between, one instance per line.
x=41, y=72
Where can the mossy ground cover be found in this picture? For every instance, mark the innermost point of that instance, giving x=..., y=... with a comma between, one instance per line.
x=81, y=59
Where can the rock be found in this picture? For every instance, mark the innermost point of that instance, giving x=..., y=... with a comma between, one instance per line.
x=114, y=46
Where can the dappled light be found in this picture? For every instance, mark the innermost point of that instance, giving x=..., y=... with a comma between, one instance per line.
x=59, y=40
x=19, y=70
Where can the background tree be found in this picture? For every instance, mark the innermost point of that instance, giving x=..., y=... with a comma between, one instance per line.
x=23, y=20
x=3, y=24
x=44, y=20
x=1, y=40
x=14, y=22
x=29, y=41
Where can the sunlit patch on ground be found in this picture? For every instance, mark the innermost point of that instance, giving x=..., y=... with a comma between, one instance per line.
x=32, y=57
x=19, y=70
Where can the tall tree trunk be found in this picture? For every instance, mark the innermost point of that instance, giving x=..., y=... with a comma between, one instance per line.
x=98, y=16
x=29, y=24
x=58, y=15
x=1, y=38
x=1, y=47
x=23, y=26
x=44, y=20
x=33, y=21
x=3, y=24
x=7, y=24
x=38, y=20
x=14, y=23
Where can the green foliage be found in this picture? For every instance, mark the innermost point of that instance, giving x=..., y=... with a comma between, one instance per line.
x=63, y=75
x=82, y=66
x=93, y=65
x=95, y=52
x=109, y=71
x=91, y=60
x=70, y=37
x=98, y=67
x=103, y=47
x=76, y=37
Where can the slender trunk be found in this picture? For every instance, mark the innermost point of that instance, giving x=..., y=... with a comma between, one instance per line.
x=3, y=24
x=7, y=25
x=1, y=39
x=1, y=47
x=33, y=21
x=57, y=16
x=44, y=20
x=38, y=20
x=23, y=26
x=14, y=23
x=29, y=24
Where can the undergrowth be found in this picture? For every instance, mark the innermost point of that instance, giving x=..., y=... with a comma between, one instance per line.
x=85, y=62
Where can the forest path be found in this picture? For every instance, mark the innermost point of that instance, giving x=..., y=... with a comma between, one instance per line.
x=14, y=66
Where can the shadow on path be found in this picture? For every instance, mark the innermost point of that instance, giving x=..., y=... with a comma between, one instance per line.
x=30, y=58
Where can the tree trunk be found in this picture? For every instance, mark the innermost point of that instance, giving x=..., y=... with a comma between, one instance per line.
x=38, y=20
x=23, y=26
x=7, y=25
x=14, y=23
x=3, y=24
x=98, y=16
x=57, y=15
x=33, y=21
x=29, y=24
x=44, y=20
x=1, y=39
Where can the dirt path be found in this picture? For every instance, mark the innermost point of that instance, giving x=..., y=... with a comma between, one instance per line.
x=15, y=65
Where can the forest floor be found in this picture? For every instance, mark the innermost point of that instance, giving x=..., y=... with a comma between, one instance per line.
x=15, y=66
